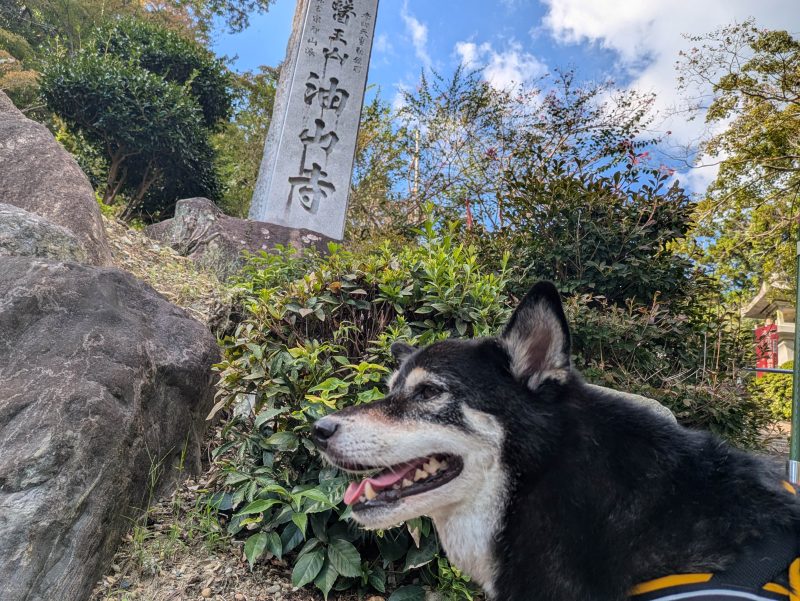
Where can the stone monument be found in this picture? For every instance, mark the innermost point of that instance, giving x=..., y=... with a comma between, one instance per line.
x=304, y=178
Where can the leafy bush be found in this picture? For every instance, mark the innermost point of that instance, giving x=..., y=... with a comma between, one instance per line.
x=609, y=235
x=15, y=45
x=145, y=99
x=173, y=57
x=775, y=391
x=649, y=350
x=315, y=339
x=19, y=84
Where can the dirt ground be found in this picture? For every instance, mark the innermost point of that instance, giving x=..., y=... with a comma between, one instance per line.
x=179, y=553
x=776, y=439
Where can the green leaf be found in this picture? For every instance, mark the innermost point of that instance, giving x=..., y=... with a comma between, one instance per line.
x=301, y=520
x=311, y=544
x=291, y=537
x=258, y=352
x=254, y=547
x=268, y=414
x=419, y=557
x=329, y=384
x=258, y=506
x=393, y=545
x=284, y=441
x=345, y=558
x=319, y=522
x=307, y=568
x=377, y=579
x=315, y=494
x=326, y=578
x=274, y=544
x=411, y=592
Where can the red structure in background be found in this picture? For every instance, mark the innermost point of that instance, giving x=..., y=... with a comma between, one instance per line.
x=766, y=347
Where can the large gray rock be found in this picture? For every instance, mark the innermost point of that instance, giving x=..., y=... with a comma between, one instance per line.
x=28, y=235
x=102, y=383
x=38, y=175
x=202, y=232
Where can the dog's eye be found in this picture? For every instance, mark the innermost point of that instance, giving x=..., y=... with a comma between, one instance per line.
x=425, y=392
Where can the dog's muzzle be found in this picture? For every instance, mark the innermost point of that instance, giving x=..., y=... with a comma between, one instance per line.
x=323, y=430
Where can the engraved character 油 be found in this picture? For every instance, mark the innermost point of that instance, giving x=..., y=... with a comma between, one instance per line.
x=333, y=97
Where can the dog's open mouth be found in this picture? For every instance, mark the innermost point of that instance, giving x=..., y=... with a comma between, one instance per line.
x=403, y=480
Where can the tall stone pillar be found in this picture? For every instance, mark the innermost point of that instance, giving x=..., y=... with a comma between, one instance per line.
x=304, y=178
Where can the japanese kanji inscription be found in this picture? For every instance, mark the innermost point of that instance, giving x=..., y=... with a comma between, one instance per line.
x=305, y=174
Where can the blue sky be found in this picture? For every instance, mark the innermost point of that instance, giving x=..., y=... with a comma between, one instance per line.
x=634, y=42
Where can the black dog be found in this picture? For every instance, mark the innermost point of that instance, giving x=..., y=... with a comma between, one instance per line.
x=543, y=487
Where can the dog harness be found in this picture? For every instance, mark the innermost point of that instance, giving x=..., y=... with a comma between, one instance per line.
x=769, y=572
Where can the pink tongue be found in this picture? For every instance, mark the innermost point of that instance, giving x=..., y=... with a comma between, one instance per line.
x=385, y=480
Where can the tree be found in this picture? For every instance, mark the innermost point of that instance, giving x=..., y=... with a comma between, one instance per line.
x=148, y=99
x=239, y=143
x=39, y=21
x=747, y=222
x=375, y=209
x=607, y=235
x=462, y=136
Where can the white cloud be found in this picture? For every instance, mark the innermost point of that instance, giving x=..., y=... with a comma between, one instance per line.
x=647, y=37
x=502, y=69
x=697, y=179
x=382, y=44
x=419, y=35
x=399, y=99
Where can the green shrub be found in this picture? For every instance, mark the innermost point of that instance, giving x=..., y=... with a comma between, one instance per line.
x=315, y=338
x=775, y=392
x=655, y=353
x=15, y=45
x=141, y=103
x=611, y=236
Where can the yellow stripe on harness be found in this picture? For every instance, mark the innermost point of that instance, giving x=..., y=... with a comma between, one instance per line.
x=794, y=580
x=668, y=581
x=776, y=588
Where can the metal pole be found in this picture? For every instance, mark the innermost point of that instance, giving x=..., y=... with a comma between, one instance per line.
x=793, y=465
x=768, y=370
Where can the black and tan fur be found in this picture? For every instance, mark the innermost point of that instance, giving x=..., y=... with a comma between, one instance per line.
x=566, y=492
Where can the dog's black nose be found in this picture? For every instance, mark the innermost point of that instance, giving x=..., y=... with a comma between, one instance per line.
x=323, y=430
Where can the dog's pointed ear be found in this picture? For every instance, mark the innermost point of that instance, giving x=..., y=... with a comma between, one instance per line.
x=401, y=351
x=537, y=337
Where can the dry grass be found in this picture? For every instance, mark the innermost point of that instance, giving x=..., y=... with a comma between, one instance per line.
x=178, y=552
x=177, y=278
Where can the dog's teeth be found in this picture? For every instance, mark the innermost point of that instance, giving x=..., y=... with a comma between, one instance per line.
x=420, y=475
x=395, y=486
x=407, y=483
x=362, y=499
x=432, y=466
x=443, y=465
x=369, y=492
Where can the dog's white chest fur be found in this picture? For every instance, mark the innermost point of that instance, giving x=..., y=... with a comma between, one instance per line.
x=468, y=538
x=469, y=530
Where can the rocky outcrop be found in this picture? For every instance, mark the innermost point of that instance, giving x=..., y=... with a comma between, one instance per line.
x=103, y=384
x=28, y=235
x=201, y=231
x=37, y=174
